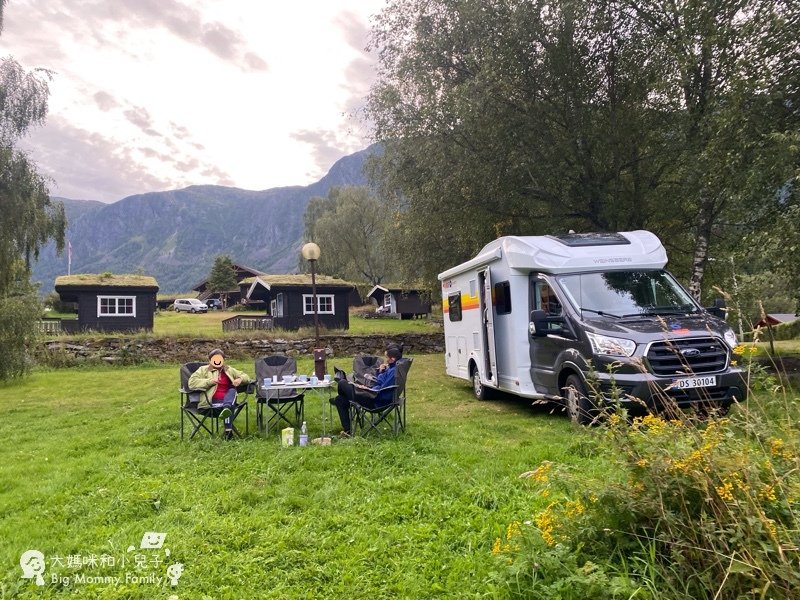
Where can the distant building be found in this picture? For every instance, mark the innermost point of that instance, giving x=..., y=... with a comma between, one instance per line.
x=234, y=296
x=289, y=300
x=109, y=302
x=776, y=319
x=396, y=300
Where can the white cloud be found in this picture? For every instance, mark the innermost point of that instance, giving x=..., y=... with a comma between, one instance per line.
x=155, y=94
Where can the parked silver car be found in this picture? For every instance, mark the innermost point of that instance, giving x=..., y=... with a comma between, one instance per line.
x=192, y=305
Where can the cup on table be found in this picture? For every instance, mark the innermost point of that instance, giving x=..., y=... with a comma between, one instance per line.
x=327, y=378
x=274, y=379
x=314, y=380
x=302, y=378
x=267, y=381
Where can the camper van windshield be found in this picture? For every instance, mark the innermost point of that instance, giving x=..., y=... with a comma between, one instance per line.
x=627, y=293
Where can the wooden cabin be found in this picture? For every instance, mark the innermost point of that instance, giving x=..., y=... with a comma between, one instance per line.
x=109, y=302
x=289, y=299
x=396, y=300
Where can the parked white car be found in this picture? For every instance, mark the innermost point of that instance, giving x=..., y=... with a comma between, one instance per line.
x=192, y=305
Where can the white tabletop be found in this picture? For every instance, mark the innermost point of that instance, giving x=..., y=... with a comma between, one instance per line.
x=297, y=385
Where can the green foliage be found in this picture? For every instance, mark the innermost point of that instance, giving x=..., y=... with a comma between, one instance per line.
x=19, y=312
x=537, y=117
x=697, y=507
x=223, y=275
x=350, y=228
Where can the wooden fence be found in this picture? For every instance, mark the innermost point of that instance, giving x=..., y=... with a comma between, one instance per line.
x=244, y=323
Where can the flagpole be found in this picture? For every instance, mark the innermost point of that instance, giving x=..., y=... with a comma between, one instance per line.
x=69, y=257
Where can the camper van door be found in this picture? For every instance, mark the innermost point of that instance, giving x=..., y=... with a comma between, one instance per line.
x=487, y=322
x=545, y=348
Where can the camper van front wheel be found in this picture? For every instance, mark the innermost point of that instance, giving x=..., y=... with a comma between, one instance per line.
x=481, y=391
x=579, y=407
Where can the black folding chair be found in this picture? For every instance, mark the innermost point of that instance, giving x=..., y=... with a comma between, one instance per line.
x=368, y=420
x=197, y=410
x=365, y=368
x=285, y=404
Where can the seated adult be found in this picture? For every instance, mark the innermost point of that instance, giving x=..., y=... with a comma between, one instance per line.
x=375, y=396
x=220, y=382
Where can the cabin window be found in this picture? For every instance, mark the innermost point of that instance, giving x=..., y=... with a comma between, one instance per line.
x=387, y=300
x=502, y=297
x=116, y=306
x=473, y=288
x=454, y=307
x=278, y=305
x=324, y=304
x=273, y=307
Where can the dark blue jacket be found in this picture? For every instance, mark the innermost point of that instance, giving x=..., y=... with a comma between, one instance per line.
x=382, y=381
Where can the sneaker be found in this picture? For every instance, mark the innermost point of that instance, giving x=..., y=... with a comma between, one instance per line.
x=344, y=435
x=228, y=434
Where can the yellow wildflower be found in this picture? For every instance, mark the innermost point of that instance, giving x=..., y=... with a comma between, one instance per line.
x=725, y=491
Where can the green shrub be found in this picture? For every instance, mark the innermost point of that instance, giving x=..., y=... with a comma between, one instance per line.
x=699, y=507
x=19, y=313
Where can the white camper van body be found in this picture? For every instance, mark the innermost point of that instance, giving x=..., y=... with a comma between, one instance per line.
x=490, y=334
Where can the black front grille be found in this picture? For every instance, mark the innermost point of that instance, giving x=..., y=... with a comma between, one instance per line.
x=687, y=357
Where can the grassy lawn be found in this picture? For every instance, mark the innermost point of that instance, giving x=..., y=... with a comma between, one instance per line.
x=94, y=460
x=182, y=324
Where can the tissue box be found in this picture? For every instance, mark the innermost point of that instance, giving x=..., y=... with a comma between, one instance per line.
x=287, y=437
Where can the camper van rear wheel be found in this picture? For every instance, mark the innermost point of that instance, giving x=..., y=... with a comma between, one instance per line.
x=481, y=391
x=579, y=407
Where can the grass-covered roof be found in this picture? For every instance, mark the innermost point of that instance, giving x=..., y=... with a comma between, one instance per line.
x=105, y=280
x=298, y=279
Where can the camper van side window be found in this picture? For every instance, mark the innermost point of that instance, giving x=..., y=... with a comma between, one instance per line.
x=502, y=297
x=546, y=300
x=454, y=306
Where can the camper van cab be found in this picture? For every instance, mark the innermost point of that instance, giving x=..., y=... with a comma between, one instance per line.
x=585, y=319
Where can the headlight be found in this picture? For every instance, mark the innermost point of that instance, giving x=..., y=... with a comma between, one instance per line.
x=612, y=346
x=730, y=338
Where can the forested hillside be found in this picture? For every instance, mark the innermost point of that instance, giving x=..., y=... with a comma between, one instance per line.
x=175, y=235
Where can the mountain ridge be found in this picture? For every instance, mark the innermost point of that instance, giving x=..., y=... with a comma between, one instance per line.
x=175, y=235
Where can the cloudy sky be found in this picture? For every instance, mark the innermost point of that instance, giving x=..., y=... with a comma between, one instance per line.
x=150, y=95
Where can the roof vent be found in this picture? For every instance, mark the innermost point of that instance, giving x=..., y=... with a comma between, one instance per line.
x=578, y=240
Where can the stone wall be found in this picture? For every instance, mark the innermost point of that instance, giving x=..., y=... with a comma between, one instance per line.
x=123, y=350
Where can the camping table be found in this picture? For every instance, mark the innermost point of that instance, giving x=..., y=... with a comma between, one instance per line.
x=319, y=387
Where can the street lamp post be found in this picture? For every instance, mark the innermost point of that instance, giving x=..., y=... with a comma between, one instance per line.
x=311, y=253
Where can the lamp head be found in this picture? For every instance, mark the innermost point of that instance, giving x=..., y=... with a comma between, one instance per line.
x=310, y=251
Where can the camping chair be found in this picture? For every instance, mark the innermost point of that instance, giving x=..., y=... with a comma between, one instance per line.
x=365, y=368
x=200, y=417
x=286, y=405
x=368, y=420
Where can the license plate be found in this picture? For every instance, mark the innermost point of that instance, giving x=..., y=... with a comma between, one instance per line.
x=694, y=382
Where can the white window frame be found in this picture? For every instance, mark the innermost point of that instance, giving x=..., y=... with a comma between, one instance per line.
x=387, y=300
x=273, y=307
x=116, y=312
x=308, y=304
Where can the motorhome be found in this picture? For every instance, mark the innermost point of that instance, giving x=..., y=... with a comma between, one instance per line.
x=585, y=320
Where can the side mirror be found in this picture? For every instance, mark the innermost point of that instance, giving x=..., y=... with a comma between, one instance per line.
x=718, y=309
x=541, y=325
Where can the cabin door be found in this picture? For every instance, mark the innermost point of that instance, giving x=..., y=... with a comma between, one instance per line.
x=487, y=326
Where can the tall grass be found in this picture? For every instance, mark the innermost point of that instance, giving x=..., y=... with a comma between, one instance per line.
x=697, y=507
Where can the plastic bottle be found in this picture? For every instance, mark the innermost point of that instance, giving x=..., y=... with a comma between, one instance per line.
x=304, y=435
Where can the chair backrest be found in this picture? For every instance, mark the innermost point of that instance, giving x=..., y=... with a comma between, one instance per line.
x=402, y=367
x=365, y=366
x=186, y=372
x=276, y=364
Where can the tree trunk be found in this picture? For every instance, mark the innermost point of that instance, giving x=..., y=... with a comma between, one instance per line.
x=700, y=255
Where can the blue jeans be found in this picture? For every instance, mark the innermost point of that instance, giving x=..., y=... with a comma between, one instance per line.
x=229, y=401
